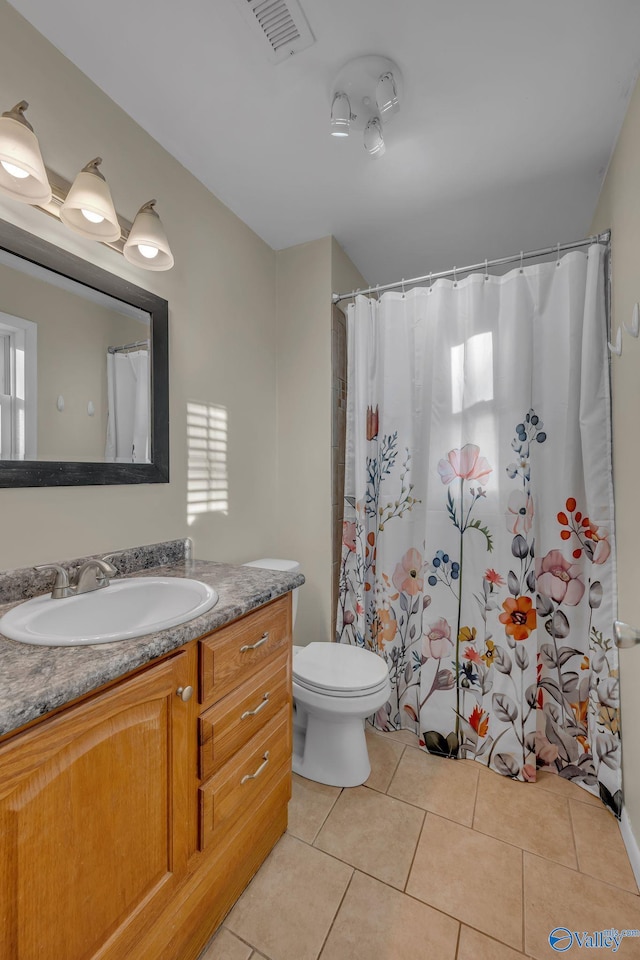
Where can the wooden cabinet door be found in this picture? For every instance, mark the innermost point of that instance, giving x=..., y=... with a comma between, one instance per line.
x=93, y=821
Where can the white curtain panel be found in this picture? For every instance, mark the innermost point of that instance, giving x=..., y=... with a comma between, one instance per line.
x=128, y=419
x=478, y=554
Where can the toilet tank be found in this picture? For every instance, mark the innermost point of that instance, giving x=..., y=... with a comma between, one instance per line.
x=288, y=566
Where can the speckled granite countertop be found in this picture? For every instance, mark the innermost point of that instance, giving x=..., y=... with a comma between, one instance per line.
x=36, y=680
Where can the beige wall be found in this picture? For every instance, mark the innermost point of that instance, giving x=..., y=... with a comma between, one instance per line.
x=73, y=335
x=304, y=427
x=221, y=296
x=619, y=208
x=307, y=275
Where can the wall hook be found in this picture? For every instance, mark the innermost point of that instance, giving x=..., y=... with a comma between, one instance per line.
x=617, y=346
x=634, y=327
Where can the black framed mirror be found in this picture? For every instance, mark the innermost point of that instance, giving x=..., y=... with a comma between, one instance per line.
x=84, y=371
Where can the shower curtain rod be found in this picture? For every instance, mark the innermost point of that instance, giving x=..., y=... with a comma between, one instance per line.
x=128, y=346
x=517, y=258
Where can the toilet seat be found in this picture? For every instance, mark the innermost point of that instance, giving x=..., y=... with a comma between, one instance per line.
x=339, y=670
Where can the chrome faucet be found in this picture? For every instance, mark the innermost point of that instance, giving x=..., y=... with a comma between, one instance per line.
x=92, y=575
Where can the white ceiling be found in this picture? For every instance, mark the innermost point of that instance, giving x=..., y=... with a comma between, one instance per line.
x=511, y=110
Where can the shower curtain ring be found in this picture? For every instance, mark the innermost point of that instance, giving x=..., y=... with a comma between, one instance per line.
x=558, y=256
x=486, y=269
x=430, y=281
x=455, y=277
x=403, y=288
x=521, y=257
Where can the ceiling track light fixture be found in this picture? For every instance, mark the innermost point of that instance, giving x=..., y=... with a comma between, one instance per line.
x=340, y=115
x=85, y=206
x=373, y=139
x=366, y=96
x=387, y=95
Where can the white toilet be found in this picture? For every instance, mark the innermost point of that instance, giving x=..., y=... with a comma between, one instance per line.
x=335, y=688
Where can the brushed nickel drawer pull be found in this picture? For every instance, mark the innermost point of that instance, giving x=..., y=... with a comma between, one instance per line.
x=252, y=776
x=261, y=706
x=258, y=643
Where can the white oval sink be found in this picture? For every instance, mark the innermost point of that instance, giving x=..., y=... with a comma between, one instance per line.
x=126, y=608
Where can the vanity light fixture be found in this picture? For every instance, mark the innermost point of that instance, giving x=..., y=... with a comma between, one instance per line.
x=366, y=96
x=373, y=139
x=88, y=208
x=147, y=245
x=340, y=115
x=22, y=172
x=84, y=206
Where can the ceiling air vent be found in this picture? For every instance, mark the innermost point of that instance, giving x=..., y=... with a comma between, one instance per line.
x=281, y=24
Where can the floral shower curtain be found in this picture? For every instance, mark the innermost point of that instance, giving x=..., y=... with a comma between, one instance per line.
x=478, y=554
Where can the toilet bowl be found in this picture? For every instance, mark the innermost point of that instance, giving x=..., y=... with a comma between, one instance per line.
x=335, y=688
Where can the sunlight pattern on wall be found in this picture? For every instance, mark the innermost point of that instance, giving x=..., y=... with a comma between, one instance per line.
x=207, y=475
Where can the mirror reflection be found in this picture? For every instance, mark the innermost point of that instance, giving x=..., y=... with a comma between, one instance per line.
x=75, y=375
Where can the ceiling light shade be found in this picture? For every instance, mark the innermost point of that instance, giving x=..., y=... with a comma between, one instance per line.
x=340, y=115
x=88, y=208
x=373, y=139
x=147, y=245
x=22, y=172
x=387, y=95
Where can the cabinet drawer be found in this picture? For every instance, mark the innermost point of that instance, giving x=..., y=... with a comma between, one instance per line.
x=232, y=721
x=231, y=655
x=243, y=782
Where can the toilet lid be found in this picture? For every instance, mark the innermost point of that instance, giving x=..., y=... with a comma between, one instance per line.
x=339, y=668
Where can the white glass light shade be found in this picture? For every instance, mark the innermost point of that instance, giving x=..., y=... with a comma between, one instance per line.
x=373, y=139
x=147, y=245
x=22, y=172
x=340, y=115
x=387, y=95
x=88, y=208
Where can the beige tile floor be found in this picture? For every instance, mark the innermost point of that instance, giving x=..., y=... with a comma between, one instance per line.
x=434, y=860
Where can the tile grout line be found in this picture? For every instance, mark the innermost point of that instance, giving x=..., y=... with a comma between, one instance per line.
x=331, y=925
x=328, y=814
x=573, y=837
x=455, y=955
x=424, y=820
x=223, y=926
x=395, y=769
x=475, y=801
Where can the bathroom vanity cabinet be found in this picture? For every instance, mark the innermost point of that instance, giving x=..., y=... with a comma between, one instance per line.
x=131, y=820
